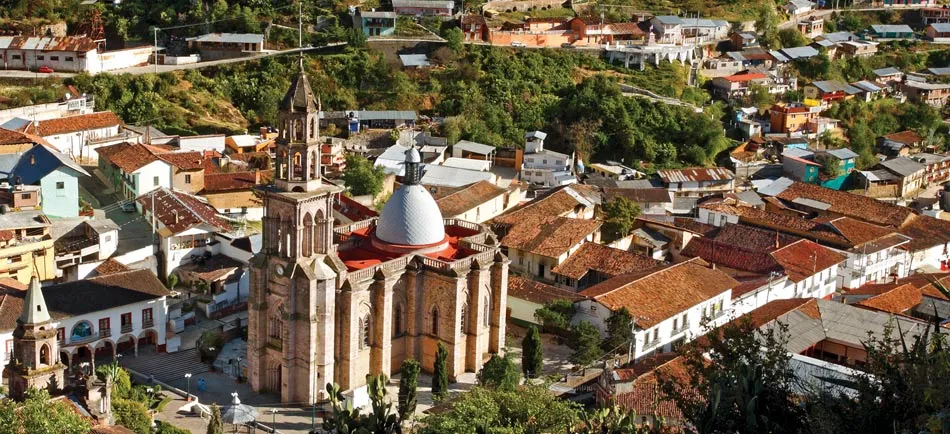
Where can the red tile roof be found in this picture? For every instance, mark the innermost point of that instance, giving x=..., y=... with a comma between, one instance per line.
x=551, y=237
x=925, y=232
x=69, y=124
x=468, y=198
x=537, y=292
x=111, y=266
x=897, y=300
x=848, y=204
x=10, y=137
x=229, y=181
x=183, y=160
x=179, y=211
x=605, y=260
x=908, y=138
x=804, y=258
x=561, y=202
x=128, y=156
x=753, y=238
x=639, y=195
x=657, y=295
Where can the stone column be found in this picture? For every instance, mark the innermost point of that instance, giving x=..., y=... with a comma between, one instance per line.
x=499, y=311
x=415, y=313
x=456, y=349
x=349, y=340
x=381, y=359
x=325, y=332
x=479, y=283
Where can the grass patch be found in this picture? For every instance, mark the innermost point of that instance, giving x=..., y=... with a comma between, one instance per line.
x=405, y=26
x=161, y=404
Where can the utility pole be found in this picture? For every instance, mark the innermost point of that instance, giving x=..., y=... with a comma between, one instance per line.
x=155, y=48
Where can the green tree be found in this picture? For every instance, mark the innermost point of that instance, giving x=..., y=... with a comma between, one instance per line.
x=766, y=24
x=619, y=330
x=172, y=281
x=121, y=382
x=162, y=427
x=361, y=178
x=585, y=341
x=499, y=372
x=132, y=415
x=531, y=409
x=440, y=376
x=829, y=165
x=791, y=37
x=215, y=424
x=408, y=385
x=38, y=415
x=454, y=38
x=532, y=353
x=738, y=379
x=620, y=214
x=555, y=314
x=344, y=418
x=759, y=95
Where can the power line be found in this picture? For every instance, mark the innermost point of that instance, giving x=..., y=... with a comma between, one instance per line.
x=181, y=26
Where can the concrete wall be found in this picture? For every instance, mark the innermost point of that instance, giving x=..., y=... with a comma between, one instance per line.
x=60, y=202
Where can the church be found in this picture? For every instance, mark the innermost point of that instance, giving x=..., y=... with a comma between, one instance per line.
x=335, y=304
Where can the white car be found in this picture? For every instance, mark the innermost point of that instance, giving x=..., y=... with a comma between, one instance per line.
x=518, y=44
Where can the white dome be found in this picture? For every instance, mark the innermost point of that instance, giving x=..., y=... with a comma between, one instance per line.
x=410, y=217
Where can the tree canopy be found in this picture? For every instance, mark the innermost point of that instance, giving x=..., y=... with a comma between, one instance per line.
x=39, y=415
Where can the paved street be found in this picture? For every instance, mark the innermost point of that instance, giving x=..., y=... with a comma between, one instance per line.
x=134, y=230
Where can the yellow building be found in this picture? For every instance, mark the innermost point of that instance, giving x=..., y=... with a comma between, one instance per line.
x=26, y=246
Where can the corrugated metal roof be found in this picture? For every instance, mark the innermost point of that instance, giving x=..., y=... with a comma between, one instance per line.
x=378, y=14
x=842, y=154
x=886, y=71
x=941, y=27
x=696, y=174
x=867, y=86
x=892, y=28
x=64, y=43
x=800, y=52
x=229, y=38
x=474, y=147
x=430, y=4
x=669, y=19
x=416, y=60
x=372, y=115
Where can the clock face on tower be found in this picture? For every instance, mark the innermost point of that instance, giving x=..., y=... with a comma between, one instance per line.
x=279, y=269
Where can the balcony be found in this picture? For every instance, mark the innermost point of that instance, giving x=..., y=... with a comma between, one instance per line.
x=146, y=323
x=649, y=346
x=104, y=333
x=679, y=330
x=126, y=328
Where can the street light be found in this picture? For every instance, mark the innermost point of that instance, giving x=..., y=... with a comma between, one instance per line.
x=188, y=393
x=273, y=424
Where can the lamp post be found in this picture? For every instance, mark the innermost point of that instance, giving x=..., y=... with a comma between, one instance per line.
x=188, y=390
x=273, y=424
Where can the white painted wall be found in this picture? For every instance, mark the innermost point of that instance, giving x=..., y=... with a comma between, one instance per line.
x=151, y=176
x=202, y=143
x=74, y=143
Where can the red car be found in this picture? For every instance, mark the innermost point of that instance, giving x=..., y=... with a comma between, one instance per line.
x=45, y=69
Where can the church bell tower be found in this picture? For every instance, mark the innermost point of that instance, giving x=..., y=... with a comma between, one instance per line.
x=291, y=301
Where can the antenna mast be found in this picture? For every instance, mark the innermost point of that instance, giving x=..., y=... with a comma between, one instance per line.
x=300, y=31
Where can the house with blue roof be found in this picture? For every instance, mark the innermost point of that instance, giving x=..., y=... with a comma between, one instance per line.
x=57, y=176
x=813, y=167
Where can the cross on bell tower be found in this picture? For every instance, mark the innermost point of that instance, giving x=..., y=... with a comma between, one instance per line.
x=298, y=146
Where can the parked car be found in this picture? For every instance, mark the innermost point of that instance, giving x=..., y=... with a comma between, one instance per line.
x=45, y=69
x=518, y=44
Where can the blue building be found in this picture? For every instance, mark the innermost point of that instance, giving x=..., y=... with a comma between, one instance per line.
x=378, y=23
x=56, y=174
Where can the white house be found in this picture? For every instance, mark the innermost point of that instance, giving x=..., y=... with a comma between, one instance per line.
x=670, y=306
x=930, y=243
x=134, y=169
x=185, y=224
x=668, y=29
x=536, y=248
x=103, y=316
x=78, y=136
x=544, y=167
x=698, y=181
x=798, y=7
x=525, y=296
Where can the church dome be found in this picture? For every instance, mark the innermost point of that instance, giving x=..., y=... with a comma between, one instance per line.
x=410, y=218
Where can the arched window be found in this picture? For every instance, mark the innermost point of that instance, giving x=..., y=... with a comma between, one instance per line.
x=364, y=332
x=298, y=129
x=487, y=310
x=274, y=326
x=463, y=319
x=282, y=165
x=319, y=233
x=297, y=172
x=314, y=165
x=434, y=329
x=313, y=128
x=44, y=355
x=81, y=331
x=397, y=320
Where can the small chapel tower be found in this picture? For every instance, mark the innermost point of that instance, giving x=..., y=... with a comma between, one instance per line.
x=35, y=362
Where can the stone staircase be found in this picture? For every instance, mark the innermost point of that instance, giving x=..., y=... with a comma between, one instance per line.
x=168, y=368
